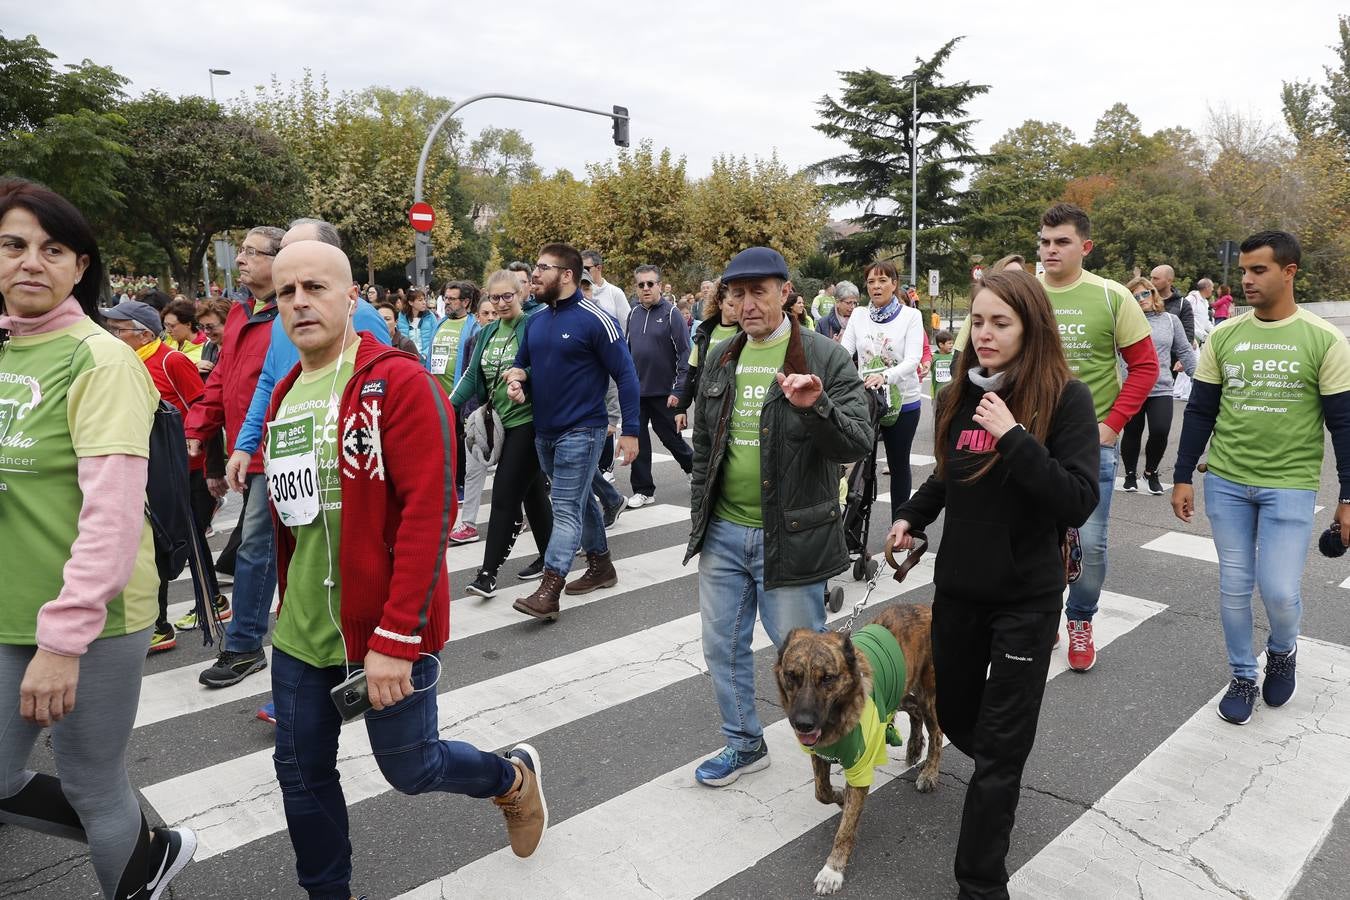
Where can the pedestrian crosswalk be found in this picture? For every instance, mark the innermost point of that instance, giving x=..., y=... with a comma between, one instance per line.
x=629, y=821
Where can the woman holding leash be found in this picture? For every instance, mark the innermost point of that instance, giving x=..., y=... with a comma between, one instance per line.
x=1017, y=460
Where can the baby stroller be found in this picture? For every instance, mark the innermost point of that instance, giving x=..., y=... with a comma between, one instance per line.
x=861, y=494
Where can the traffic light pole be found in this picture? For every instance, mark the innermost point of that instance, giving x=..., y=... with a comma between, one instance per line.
x=619, y=115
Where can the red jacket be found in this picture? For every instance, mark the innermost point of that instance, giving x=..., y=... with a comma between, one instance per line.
x=398, y=504
x=229, y=389
x=178, y=382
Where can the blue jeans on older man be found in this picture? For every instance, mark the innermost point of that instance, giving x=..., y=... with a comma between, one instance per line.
x=1262, y=537
x=730, y=591
x=569, y=460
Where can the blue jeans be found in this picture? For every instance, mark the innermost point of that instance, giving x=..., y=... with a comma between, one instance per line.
x=1086, y=592
x=730, y=590
x=255, y=571
x=569, y=460
x=606, y=493
x=410, y=755
x=1262, y=537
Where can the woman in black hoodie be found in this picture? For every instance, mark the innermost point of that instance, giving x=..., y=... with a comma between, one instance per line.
x=1016, y=444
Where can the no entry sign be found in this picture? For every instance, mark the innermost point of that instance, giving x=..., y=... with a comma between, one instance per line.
x=422, y=217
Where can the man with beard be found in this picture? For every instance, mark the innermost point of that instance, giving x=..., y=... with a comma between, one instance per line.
x=570, y=351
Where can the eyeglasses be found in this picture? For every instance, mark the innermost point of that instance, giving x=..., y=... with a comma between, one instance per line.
x=849, y=301
x=212, y=328
x=116, y=330
x=501, y=298
x=1143, y=295
x=587, y=268
x=544, y=267
x=252, y=252
x=646, y=284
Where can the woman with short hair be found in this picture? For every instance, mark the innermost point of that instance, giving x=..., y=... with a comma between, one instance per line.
x=78, y=603
x=180, y=328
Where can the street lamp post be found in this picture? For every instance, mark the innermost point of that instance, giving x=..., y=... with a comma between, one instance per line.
x=206, y=271
x=913, y=80
x=211, y=74
x=619, y=115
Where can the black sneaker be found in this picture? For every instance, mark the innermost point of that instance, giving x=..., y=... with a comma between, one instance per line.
x=483, y=585
x=532, y=571
x=1280, y=684
x=1154, y=485
x=233, y=667
x=1236, y=705
x=170, y=850
x=612, y=512
x=1131, y=484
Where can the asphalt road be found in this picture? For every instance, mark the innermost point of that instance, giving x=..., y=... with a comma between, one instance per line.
x=615, y=697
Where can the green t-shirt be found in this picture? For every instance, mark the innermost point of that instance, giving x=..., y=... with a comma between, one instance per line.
x=941, y=373
x=741, y=493
x=864, y=748
x=445, y=345
x=305, y=628
x=824, y=304
x=719, y=334
x=1096, y=317
x=1272, y=376
x=72, y=393
x=499, y=354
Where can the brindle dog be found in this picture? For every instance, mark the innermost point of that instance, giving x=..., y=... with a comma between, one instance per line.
x=824, y=683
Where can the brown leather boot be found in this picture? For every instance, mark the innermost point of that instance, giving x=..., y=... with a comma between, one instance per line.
x=543, y=603
x=599, y=574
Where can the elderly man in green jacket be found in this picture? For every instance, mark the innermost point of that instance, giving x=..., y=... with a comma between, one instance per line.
x=779, y=409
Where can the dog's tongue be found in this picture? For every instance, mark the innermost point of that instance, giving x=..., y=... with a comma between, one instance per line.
x=808, y=738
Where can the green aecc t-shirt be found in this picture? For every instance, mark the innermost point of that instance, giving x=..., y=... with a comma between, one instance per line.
x=1272, y=376
x=307, y=627
x=741, y=494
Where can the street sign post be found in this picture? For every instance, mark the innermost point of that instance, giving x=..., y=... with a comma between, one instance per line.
x=977, y=273
x=932, y=282
x=422, y=217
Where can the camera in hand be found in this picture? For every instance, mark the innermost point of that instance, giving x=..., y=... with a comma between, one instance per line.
x=1330, y=542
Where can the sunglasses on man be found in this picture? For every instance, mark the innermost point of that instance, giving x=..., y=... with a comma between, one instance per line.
x=646, y=284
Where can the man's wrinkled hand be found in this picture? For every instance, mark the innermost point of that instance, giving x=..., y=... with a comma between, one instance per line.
x=802, y=391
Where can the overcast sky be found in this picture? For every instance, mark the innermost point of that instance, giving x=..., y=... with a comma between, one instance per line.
x=706, y=78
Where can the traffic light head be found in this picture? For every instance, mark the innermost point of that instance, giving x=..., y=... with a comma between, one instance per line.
x=621, y=126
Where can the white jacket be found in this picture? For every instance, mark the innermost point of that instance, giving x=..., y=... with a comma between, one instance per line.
x=898, y=344
x=1200, y=311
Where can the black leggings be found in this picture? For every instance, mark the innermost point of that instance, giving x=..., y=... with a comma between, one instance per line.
x=1158, y=412
x=898, y=438
x=518, y=485
x=990, y=665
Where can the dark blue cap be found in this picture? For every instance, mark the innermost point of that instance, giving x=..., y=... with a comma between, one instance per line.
x=756, y=262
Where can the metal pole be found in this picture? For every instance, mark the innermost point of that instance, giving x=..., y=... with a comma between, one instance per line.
x=423, y=241
x=914, y=186
x=212, y=75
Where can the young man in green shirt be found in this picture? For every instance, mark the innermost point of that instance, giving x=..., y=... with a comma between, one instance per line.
x=1098, y=319
x=1265, y=384
x=779, y=409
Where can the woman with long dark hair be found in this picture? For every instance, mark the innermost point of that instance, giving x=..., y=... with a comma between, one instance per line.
x=79, y=602
x=1017, y=460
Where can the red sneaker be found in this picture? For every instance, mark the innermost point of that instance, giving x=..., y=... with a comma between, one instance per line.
x=1082, y=652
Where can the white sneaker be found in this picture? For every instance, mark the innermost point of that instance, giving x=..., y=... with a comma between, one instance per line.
x=637, y=501
x=608, y=476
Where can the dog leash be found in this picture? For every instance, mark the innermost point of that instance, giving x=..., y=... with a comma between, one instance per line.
x=901, y=570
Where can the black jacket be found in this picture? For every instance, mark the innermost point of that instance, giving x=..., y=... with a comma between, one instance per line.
x=1177, y=306
x=1001, y=539
x=701, y=340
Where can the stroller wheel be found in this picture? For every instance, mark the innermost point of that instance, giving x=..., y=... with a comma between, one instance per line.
x=834, y=598
x=871, y=568
x=860, y=569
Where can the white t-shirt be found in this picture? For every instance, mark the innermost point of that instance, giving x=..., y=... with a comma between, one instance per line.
x=613, y=301
x=894, y=348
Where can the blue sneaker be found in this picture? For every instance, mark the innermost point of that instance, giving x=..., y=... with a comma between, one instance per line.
x=268, y=713
x=727, y=766
x=1236, y=705
x=1280, y=684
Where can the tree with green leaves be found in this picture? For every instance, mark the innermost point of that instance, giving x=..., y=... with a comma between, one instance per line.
x=196, y=171
x=872, y=117
x=1027, y=171
x=635, y=211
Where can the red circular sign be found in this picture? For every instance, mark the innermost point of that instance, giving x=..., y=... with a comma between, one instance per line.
x=422, y=217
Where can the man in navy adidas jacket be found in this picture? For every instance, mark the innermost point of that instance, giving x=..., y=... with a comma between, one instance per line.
x=568, y=354
x=659, y=341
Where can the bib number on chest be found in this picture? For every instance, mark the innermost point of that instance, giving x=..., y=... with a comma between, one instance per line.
x=292, y=470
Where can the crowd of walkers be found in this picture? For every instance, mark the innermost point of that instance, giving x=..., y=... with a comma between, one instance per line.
x=360, y=427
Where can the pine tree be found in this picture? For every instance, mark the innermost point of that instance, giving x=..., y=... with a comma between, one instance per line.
x=872, y=116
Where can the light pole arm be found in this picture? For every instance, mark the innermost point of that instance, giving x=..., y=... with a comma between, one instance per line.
x=449, y=114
